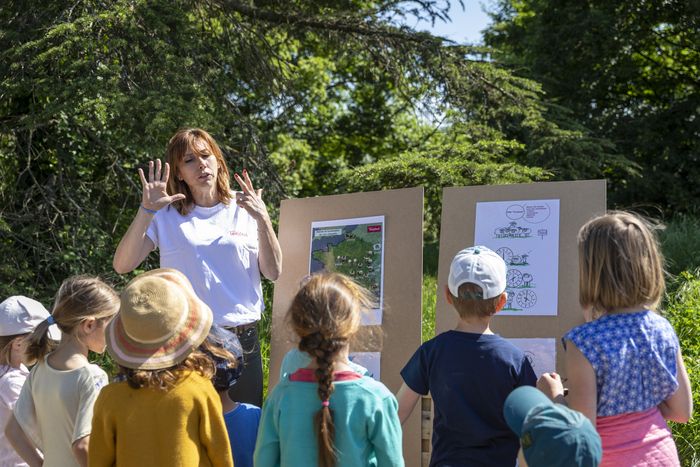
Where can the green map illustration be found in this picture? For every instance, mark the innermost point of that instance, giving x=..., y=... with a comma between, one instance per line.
x=353, y=250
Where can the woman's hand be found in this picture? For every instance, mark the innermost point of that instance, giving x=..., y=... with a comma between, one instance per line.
x=155, y=194
x=269, y=253
x=250, y=199
x=551, y=385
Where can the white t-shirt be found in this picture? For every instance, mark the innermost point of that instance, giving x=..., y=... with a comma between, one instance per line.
x=217, y=249
x=11, y=383
x=55, y=409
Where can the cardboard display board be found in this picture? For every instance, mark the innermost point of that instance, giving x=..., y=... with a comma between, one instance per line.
x=532, y=212
x=401, y=288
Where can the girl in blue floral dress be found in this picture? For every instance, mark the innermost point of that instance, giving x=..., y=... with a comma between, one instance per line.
x=624, y=364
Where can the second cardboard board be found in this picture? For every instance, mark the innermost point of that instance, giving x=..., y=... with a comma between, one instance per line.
x=533, y=227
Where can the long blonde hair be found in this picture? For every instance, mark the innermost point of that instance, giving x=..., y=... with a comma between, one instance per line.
x=326, y=314
x=620, y=263
x=78, y=298
x=182, y=142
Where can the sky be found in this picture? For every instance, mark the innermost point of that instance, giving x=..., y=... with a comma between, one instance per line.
x=466, y=25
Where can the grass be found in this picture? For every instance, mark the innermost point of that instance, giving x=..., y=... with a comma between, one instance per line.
x=681, y=308
x=680, y=242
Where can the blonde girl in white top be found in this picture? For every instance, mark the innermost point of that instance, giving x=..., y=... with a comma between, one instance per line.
x=54, y=411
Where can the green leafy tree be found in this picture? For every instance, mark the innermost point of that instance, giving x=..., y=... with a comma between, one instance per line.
x=625, y=71
x=297, y=92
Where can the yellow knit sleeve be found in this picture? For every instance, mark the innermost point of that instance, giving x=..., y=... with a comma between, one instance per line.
x=212, y=431
x=102, y=449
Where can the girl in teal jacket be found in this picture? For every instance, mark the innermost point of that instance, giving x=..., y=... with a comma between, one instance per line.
x=326, y=414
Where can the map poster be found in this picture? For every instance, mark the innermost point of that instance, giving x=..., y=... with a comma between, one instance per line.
x=369, y=360
x=540, y=351
x=354, y=247
x=526, y=235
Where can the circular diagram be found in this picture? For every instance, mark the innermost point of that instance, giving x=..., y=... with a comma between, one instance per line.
x=526, y=298
x=515, y=211
x=514, y=278
x=505, y=253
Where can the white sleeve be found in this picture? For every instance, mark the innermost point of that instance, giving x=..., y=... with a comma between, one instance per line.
x=88, y=391
x=10, y=386
x=25, y=413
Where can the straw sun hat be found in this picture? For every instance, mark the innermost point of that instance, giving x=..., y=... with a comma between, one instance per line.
x=160, y=322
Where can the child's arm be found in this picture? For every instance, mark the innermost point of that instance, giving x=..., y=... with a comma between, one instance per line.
x=384, y=431
x=212, y=430
x=679, y=406
x=582, y=385
x=80, y=450
x=19, y=440
x=267, y=446
x=407, y=401
x=103, y=449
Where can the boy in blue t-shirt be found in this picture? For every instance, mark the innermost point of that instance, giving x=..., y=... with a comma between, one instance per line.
x=469, y=371
x=241, y=419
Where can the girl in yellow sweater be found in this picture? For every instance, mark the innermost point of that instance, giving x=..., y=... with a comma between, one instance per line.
x=166, y=412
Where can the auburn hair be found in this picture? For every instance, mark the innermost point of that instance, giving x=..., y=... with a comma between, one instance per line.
x=620, y=263
x=326, y=314
x=180, y=144
x=165, y=379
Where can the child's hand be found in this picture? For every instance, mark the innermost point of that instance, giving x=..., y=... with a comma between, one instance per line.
x=551, y=385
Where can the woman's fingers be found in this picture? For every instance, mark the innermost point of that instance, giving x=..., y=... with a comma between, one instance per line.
x=166, y=173
x=150, y=171
x=241, y=183
x=176, y=197
x=248, y=181
x=143, y=178
x=159, y=169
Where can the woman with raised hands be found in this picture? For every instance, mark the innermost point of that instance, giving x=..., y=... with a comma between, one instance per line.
x=221, y=246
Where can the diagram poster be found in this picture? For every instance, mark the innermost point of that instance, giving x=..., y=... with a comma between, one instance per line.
x=526, y=235
x=354, y=247
x=369, y=360
x=540, y=351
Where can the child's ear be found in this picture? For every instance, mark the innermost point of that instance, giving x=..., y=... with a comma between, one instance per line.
x=18, y=342
x=89, y=325
x=448, y=296
x=501, y=301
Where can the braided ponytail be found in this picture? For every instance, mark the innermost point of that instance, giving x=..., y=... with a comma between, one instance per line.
x=326, y=314
x=325, y=352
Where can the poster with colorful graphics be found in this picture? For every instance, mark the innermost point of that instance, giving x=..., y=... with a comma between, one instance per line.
x=541, y=352
x=526, y=235
x=354, y=247
x=369, y=360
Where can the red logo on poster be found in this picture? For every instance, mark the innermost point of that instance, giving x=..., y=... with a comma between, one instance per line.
x=374, y=228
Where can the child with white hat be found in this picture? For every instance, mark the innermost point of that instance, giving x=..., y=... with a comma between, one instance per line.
x=165, y=413
x=469, y=371
x=19, y=316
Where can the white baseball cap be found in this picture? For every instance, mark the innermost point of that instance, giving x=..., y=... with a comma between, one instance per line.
x=20, y=315
x=481, y=266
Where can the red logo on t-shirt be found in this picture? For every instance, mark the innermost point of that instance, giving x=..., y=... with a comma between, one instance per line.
x=374, y=228
x=236, y=233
